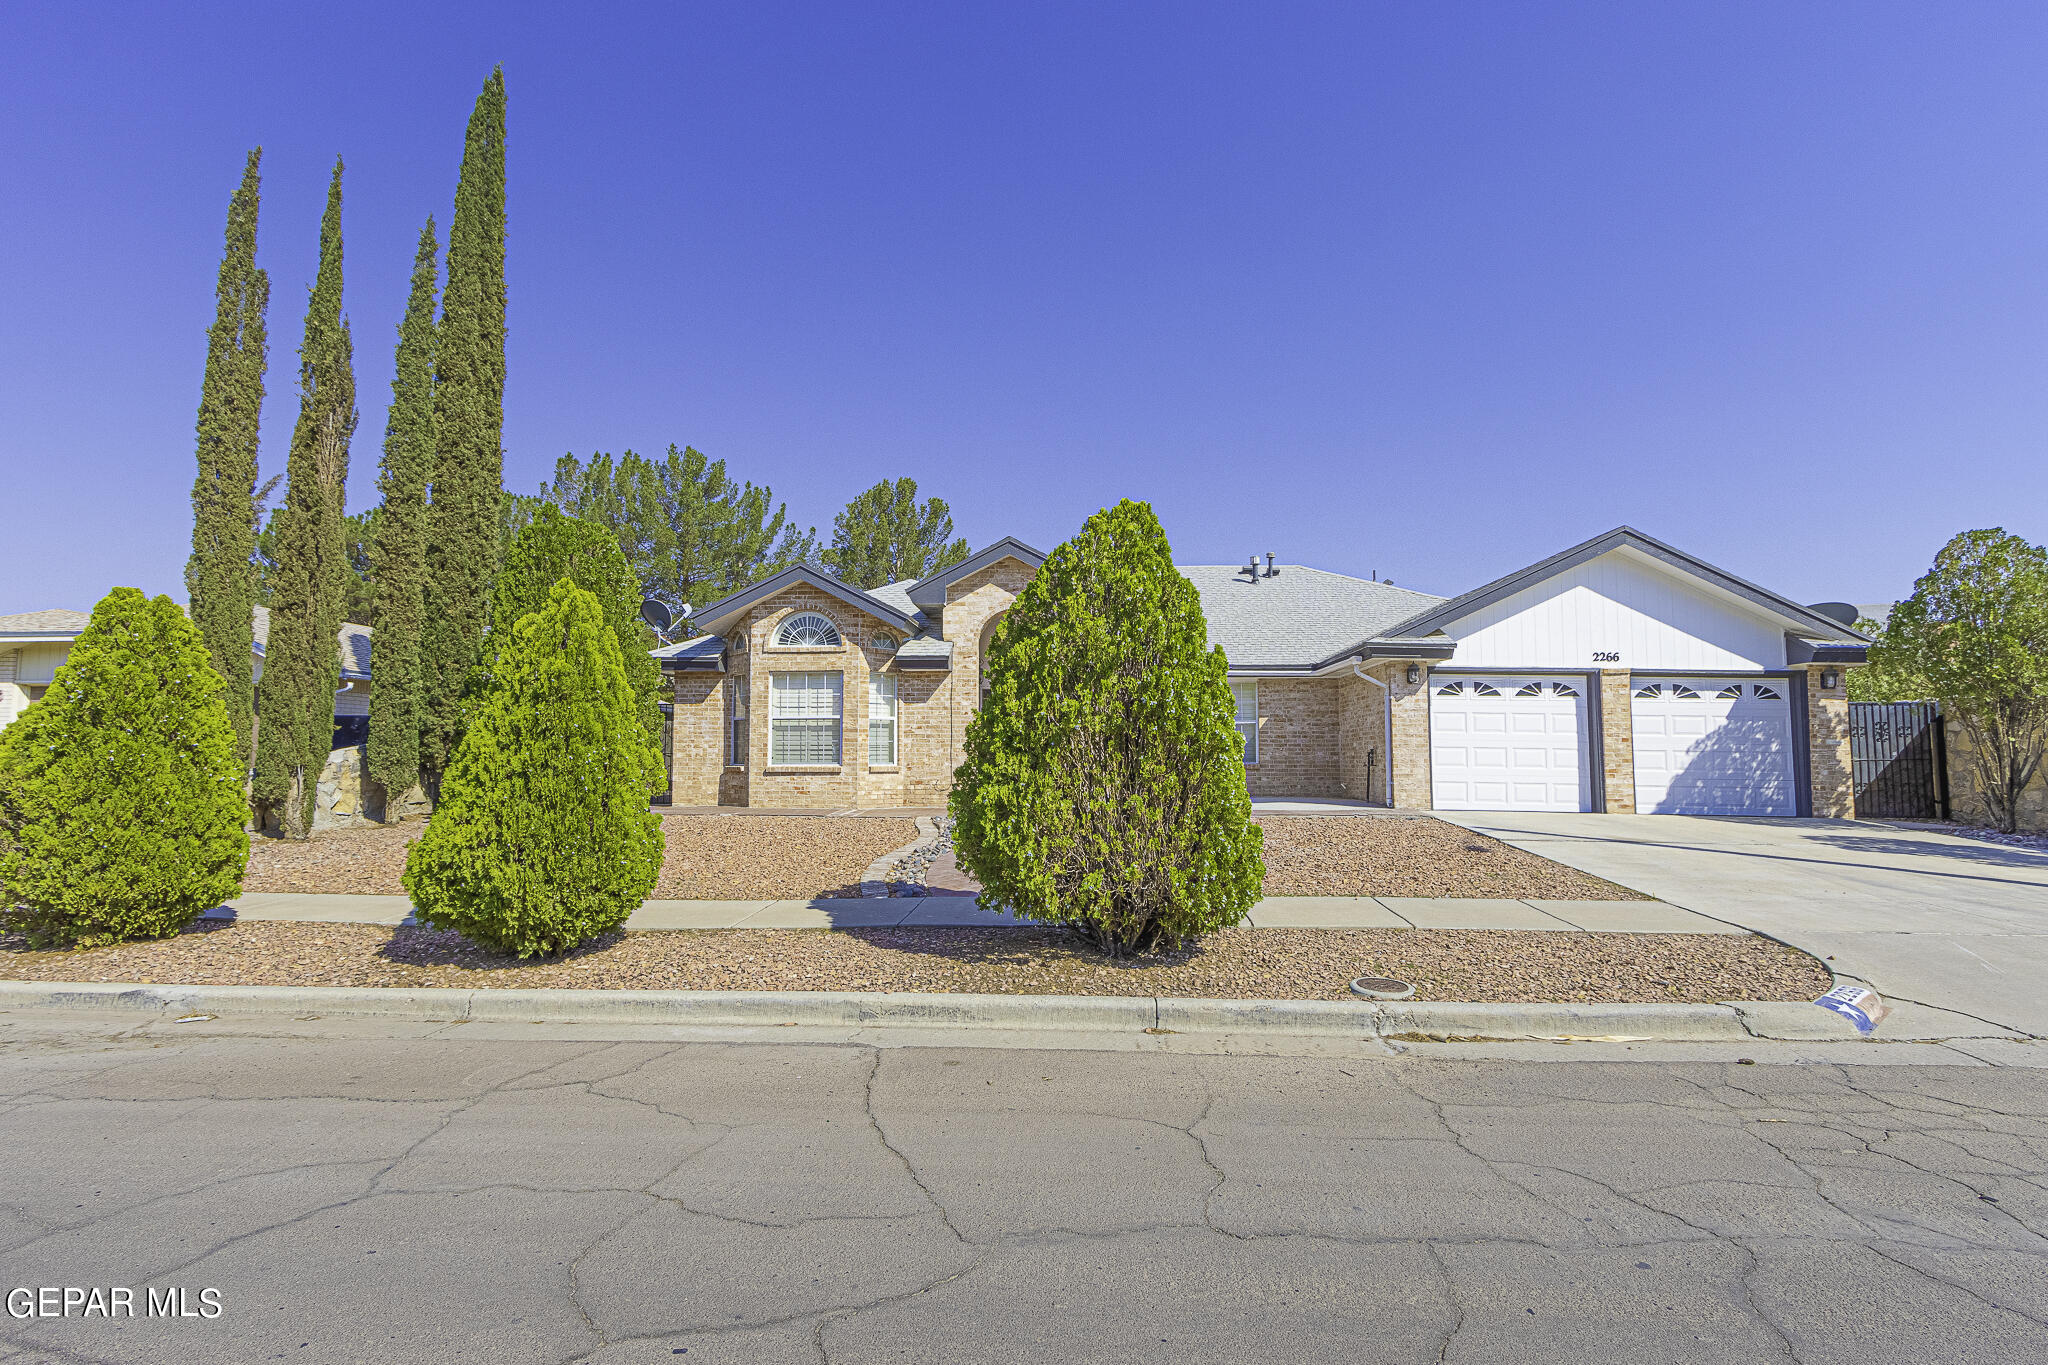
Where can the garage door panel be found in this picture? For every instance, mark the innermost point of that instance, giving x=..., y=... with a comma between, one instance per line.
x=1713, y=747
x=1507, y=744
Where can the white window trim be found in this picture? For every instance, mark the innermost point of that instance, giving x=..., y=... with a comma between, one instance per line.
x=882, y=685
x=776, y=758
x=1249, y=729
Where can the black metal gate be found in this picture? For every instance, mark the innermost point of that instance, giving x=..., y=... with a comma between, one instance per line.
x=1901, y=764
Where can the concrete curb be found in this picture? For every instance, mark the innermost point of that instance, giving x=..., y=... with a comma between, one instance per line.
x=1407, y=1021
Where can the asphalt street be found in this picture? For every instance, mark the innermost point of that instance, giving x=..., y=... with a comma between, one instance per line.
x=357, y=1194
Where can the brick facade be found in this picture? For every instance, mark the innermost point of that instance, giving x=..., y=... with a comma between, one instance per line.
x=1298, y=739
x=1827, y=737
x=1362, y=737
x=1618, y=740
x=1412, y=788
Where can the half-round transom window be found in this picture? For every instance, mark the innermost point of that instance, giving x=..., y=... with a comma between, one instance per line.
x=807, y=628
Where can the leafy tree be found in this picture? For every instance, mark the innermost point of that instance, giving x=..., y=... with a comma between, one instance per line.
x=469, y=424
x=543, y=836
x=1104, y=783
x=554, y=547
x=1976, y=631
x=691, y=532
x=218, y=577
x=1878, y=681
x=121, y=807
x=313, y=580
x=884, y=536
x=398, y=547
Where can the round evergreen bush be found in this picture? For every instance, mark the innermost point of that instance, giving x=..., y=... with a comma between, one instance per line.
x=554, y=546
x=543, y=836
x=1104, y=780
x=121, y=806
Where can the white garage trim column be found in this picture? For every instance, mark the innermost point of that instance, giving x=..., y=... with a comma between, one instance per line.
x=1509, y=742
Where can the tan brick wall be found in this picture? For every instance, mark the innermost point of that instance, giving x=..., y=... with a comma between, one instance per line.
x=1827, y=737
x=1618, y=740
x=1362, y=738
x=696, y=756
x=971, y=604
x=1297, y=739
x=933, y=707
x=1411, y=738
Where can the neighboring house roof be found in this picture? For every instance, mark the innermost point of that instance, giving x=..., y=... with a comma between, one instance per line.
x=353, y=641
x=1299, y=616
x=931, y=591
x=719, y=614
x=1803, y=620
x=59, y=623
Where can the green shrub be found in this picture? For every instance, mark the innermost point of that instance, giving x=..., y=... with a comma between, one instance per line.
x=554, y=546
x=121, y=806
x=542, y=836
x=1104, y=781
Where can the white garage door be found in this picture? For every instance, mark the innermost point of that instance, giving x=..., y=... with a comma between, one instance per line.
x=1713, y=746
x=1507, y=743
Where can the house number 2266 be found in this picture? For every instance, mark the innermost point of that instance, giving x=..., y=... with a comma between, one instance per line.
x=1606, y=656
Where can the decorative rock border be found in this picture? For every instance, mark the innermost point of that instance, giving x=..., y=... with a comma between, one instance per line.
x=884, y=875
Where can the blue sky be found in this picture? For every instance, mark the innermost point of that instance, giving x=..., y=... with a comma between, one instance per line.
x=1431, y=290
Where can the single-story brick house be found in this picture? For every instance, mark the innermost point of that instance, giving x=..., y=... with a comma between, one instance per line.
x=1619, y=675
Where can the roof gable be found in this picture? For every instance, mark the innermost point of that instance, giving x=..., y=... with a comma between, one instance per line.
x=931, y=591
x=716, y=617
x=1798, y=619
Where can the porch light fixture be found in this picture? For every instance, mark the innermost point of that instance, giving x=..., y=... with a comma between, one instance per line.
x=1414, y=674
x=1829, y=679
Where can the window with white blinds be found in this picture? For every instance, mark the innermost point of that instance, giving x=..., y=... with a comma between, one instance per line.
x=1245, y=692
x=803, y=718
x=882, y=719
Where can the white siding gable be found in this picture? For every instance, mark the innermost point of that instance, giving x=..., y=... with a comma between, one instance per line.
x=1652, y=616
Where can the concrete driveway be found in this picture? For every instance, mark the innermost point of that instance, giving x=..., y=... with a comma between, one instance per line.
x=1952, y=924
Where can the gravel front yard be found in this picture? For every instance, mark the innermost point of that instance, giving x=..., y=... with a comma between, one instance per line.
x=709, y=857
x=1478, y=965
x=1385, y=855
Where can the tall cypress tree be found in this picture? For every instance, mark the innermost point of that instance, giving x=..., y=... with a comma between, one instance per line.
x=301, y=664
x=398, y=555
x=219, y=578
x=469, y=421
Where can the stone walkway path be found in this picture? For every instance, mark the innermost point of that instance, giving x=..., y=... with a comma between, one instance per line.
x=1301, y=912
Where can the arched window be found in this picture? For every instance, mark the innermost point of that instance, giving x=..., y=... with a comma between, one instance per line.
x=884, y=641
x=807, y=628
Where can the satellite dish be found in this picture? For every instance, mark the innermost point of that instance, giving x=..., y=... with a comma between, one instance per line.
x=1842, y=613
x=656, y=613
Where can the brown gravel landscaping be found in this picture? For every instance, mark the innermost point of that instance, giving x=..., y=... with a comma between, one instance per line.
x=1475, y=965
x=1387, y=855
x=710, y=857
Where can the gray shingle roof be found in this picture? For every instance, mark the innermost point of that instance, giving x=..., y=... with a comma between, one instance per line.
x=55, y=621
x=1300, y=616
x=703, y=651
x=925, y=652
x=897, y=595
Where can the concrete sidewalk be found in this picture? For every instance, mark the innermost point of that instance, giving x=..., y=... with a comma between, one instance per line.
x=1295, y=912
